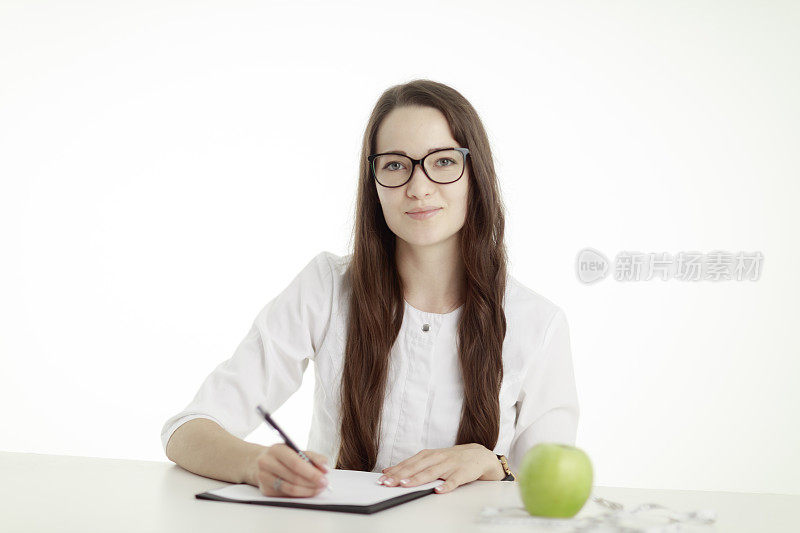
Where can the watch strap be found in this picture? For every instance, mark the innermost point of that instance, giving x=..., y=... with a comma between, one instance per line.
x=504, y=463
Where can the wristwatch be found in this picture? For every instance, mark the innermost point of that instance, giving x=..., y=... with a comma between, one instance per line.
x=509, y=474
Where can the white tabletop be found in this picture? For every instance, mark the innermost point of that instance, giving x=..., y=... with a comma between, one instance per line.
x=66, y=493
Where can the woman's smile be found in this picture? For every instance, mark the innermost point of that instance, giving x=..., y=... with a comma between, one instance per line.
x=424, y=214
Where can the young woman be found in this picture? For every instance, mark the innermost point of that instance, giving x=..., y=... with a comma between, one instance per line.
x=431, y=362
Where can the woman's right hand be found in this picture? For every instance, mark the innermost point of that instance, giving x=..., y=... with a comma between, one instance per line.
x=300, y=478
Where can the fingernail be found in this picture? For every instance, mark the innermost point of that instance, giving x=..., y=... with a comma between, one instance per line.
x=380, y=479
x=388, y=481
x=403, y=481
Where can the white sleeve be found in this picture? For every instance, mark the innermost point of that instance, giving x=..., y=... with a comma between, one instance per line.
x=268, y=365
x=547, y=406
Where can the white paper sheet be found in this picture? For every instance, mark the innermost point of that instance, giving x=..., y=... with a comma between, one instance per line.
x=350, y=487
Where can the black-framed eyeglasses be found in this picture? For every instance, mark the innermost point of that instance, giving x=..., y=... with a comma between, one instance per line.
x=392, y=169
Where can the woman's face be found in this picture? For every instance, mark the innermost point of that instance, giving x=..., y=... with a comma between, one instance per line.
x=415, y=130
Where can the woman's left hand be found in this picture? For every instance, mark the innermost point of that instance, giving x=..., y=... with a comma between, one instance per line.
x=457, y=465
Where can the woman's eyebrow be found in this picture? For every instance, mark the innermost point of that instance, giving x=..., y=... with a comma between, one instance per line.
x=429, y=151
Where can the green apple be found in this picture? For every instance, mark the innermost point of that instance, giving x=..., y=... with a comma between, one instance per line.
x=555, y=480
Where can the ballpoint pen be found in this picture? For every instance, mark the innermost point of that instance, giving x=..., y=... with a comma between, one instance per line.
x=288, y=441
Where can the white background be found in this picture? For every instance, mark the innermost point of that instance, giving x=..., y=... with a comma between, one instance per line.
x=168, y=167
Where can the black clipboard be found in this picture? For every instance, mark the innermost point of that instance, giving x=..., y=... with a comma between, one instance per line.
x=298, y=504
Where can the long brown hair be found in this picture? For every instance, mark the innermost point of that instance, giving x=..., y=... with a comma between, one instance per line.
x=377, y=297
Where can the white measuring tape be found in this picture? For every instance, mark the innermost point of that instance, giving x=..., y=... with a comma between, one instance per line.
x=644, y=518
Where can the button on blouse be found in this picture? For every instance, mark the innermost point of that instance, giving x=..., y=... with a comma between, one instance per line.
x=425, y=391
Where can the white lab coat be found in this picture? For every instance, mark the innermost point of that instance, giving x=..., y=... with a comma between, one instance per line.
x=306, y=322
